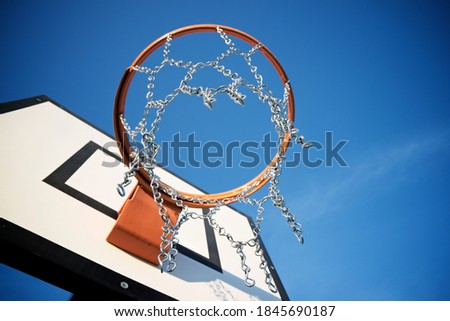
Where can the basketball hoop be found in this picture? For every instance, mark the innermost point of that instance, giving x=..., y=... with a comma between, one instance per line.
x=172, y=205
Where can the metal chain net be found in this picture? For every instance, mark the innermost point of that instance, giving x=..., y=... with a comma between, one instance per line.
x=146, y=156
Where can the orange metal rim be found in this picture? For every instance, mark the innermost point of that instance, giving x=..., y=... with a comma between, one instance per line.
x=209, y=200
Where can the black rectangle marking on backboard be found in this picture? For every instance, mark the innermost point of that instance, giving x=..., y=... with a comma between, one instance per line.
x=59, y=177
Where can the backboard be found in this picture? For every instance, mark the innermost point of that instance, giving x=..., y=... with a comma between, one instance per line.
x=59, y=203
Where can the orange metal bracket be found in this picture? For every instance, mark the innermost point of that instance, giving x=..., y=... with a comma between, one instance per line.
x=138, y=227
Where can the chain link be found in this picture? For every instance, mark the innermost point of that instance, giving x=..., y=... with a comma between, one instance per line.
x=146, y=157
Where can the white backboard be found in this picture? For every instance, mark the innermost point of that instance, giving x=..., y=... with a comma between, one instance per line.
x=59, y=203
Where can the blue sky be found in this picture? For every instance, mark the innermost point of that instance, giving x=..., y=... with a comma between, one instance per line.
x=375, y=73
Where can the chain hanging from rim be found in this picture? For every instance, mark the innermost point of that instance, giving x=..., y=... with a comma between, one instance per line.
x=146, y=156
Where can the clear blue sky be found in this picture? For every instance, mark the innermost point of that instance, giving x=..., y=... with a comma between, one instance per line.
x=375, y=73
